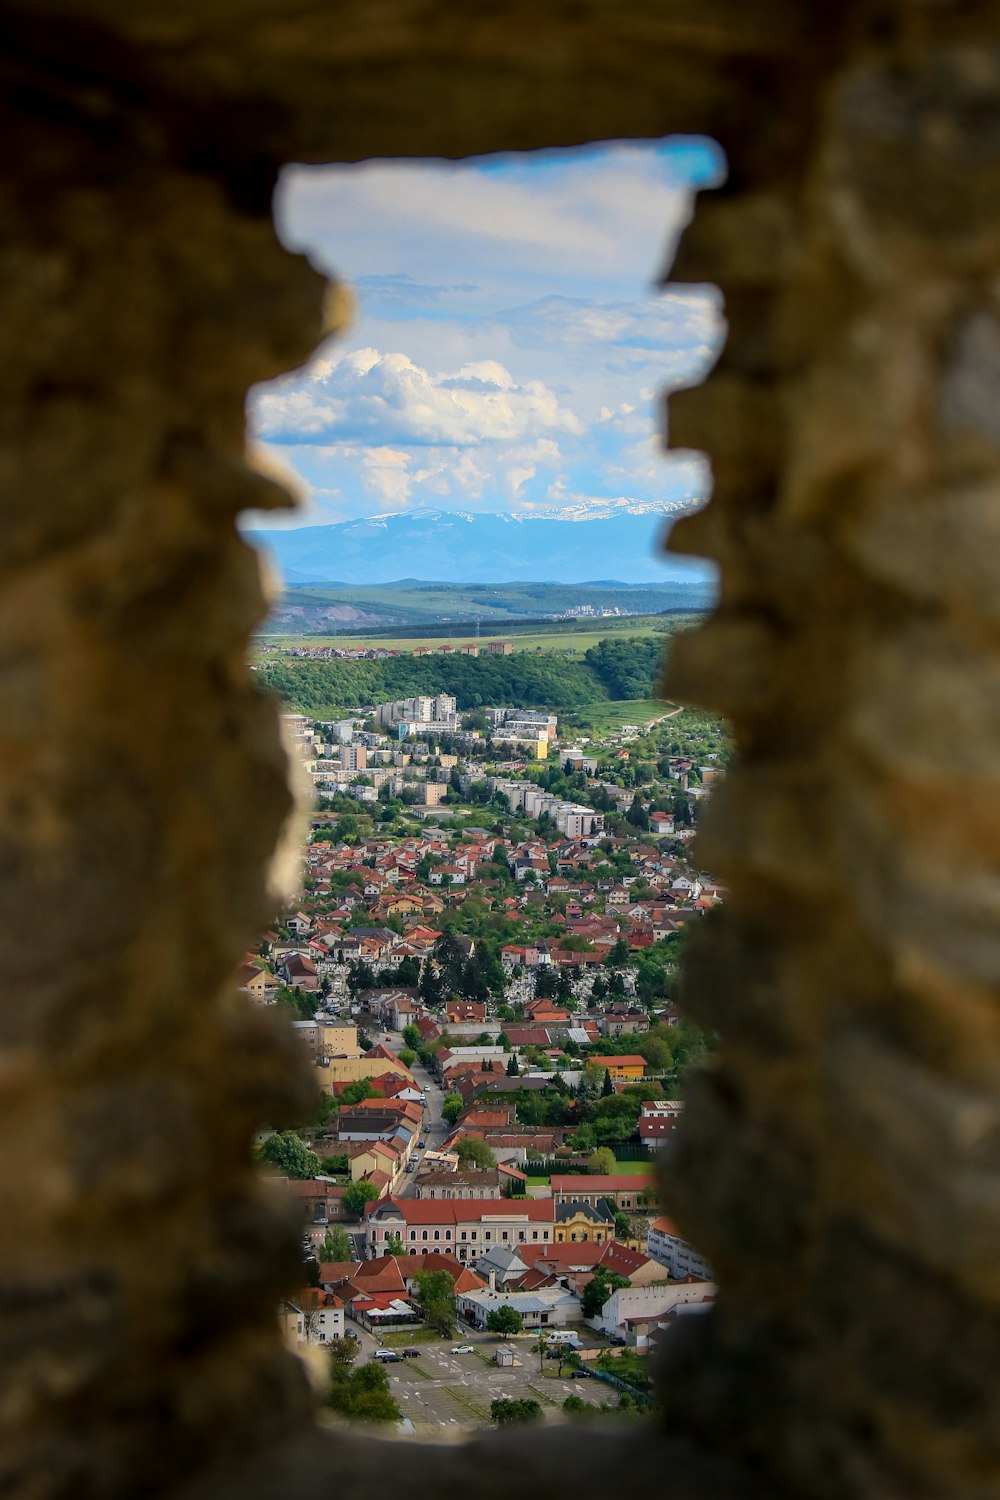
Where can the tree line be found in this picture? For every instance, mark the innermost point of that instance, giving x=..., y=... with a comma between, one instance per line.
x=612, y=669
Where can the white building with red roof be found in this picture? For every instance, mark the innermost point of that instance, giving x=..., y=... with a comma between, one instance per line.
x=464, y=1228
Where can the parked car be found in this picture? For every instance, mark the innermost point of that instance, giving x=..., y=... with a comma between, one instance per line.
x=411, y=1353
x=581, y=1374
x=388, y=1356
x=463, y=1349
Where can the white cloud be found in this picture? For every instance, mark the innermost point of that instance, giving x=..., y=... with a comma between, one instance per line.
x=381, y=399
x=593, y=211
x=509, y=346
x=384, y=475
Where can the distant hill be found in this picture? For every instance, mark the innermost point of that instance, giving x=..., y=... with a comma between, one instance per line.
x=409, y=608
x=616, y=540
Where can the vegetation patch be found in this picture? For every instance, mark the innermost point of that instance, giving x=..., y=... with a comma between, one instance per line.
x=626, y=668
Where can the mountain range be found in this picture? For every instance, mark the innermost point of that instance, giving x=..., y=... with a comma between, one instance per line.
x=614, y=539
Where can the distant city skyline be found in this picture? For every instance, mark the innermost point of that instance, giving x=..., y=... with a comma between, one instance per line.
x=509, y=348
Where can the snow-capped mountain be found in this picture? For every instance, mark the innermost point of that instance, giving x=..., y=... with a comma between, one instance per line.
x=619, y=539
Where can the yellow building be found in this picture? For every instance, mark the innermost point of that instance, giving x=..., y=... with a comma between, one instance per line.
x=338, y=1040
x=353, y=1069
x=378, y=1157
x=629, y=1066
x=583, y=1224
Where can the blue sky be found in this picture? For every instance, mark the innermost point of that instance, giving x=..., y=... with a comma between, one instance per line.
x=509, y=344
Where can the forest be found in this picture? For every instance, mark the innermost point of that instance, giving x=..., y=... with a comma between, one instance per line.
x=612, y=669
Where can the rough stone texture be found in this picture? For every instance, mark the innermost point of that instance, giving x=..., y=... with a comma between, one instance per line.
x=840, y=1164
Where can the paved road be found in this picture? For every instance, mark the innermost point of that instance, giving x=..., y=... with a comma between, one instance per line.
x=435, y=1128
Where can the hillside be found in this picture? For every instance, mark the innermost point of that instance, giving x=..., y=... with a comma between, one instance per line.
x=610, y=670
x=436, y=608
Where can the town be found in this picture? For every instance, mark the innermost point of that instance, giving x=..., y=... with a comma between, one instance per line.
x=481, y=963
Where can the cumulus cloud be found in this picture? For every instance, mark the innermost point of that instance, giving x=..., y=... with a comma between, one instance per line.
x=510, y=345
x=385, y=399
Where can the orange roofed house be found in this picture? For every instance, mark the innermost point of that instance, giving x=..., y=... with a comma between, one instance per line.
x=629, y=1067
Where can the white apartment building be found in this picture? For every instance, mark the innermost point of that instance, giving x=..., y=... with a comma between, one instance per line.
x=420, y=713
x=665, y=1245
x=571, y=818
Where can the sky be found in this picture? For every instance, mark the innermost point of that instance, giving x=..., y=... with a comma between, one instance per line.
x=509, y=342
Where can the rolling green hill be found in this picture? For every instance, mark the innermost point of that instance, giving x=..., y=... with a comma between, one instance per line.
x=612, y=670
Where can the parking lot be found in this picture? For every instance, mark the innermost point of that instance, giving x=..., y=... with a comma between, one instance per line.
x=441, y=1391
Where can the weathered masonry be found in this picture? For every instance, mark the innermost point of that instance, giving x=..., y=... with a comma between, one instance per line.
x=841, y=1166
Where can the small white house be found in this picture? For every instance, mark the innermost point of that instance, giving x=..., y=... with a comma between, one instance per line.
x=321, y=1321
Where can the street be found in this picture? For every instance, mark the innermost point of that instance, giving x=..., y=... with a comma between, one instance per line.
x=435, y=1128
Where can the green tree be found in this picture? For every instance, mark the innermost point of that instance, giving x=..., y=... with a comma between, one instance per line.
x=336, y=1245
x=602, y=1161
x=361, y=1088
x=512, y=1068
x=575, y=1406
x=436, y=1299
x=356, y=1195
x=620, y=955
x=452, y=1107
x=407, y=1057
x=394, y=1245
x=599, y=1288
x=505, y=1321
x=360, y=976
x=363, y=1395
x=607, y=1087
x=411, y=1036
x=287, y=1153
x=473, y=1152
x=637, y=814
x=506, y=1411
x=342, y=1353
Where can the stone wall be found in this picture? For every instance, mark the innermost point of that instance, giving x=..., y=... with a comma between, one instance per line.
x=840, y=1165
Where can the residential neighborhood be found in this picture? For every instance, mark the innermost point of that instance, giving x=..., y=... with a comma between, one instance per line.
x=484, y=983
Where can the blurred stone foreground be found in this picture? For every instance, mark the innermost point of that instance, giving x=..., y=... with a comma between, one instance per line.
x=841, y=1165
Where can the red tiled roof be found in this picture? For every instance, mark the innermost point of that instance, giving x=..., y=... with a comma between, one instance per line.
x=454, y=1211
x=619, y=1182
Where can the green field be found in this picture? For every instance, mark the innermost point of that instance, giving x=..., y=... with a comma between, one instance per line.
x=403, y=1338
x=561, y=636
x=626, y=1168
x=604, y=718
